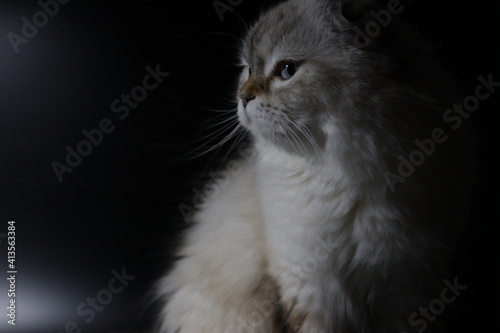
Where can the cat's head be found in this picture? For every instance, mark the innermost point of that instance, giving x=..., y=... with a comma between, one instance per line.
x=304, y=77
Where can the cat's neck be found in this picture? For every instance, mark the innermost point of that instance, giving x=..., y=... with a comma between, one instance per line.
x=297, y=169
x=323, y=174
x=292, y=184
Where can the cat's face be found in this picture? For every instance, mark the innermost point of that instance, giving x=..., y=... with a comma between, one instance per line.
x=294, y=60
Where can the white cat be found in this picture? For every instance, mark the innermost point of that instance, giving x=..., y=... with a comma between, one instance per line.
x=321, y=233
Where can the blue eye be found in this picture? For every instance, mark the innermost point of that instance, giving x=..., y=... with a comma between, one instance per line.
x=287, y=69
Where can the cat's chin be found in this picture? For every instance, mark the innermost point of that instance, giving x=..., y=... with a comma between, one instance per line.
x=266, y=129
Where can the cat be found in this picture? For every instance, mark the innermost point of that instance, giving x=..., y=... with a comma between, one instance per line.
x=328, y=228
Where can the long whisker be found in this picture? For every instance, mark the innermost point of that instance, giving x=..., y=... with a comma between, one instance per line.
x=203, y=138
x=300, y=143
x=224, y=120
x=200, y=107
x=237, y=132
x=304, y=130
x=208, y=139
x=239, y=138
x=218, y=145
x=308, y=135
x=291, y=136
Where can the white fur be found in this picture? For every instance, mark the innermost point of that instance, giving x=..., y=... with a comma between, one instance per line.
x=285, y=217
x=308, y=238
x=213, y=287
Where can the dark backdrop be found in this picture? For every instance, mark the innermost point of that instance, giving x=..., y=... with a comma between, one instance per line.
x=118, y=208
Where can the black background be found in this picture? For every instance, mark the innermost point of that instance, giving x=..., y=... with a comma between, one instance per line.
x=119, y=208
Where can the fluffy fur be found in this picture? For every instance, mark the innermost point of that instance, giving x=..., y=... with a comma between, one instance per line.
x=310, y=237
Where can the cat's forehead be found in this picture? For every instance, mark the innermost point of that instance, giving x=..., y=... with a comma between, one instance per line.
x=289, y=31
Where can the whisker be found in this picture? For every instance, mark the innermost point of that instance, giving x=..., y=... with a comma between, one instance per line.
x=237, y=131
x=304, y=130
x=291, y=133
x=214, y=136
x=219, y=123
x=239, y=138
x=291, y=136
x=216, y=146
x=202, y=107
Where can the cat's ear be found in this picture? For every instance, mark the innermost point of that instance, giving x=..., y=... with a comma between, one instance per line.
x=353, y=16
x=351, y=12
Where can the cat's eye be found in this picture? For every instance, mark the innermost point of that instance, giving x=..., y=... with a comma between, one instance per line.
x=286, y=69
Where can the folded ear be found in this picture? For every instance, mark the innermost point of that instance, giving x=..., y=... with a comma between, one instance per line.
x=358, y=10
x=351, y=12
x=353, y=16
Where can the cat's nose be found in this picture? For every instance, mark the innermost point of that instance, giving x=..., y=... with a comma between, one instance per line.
x=245, y=98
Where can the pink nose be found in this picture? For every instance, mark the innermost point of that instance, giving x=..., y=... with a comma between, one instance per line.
x=245, y=98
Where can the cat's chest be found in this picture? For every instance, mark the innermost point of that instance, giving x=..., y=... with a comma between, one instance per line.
x=303, y=211
x=293, y=191
x=300, y=201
